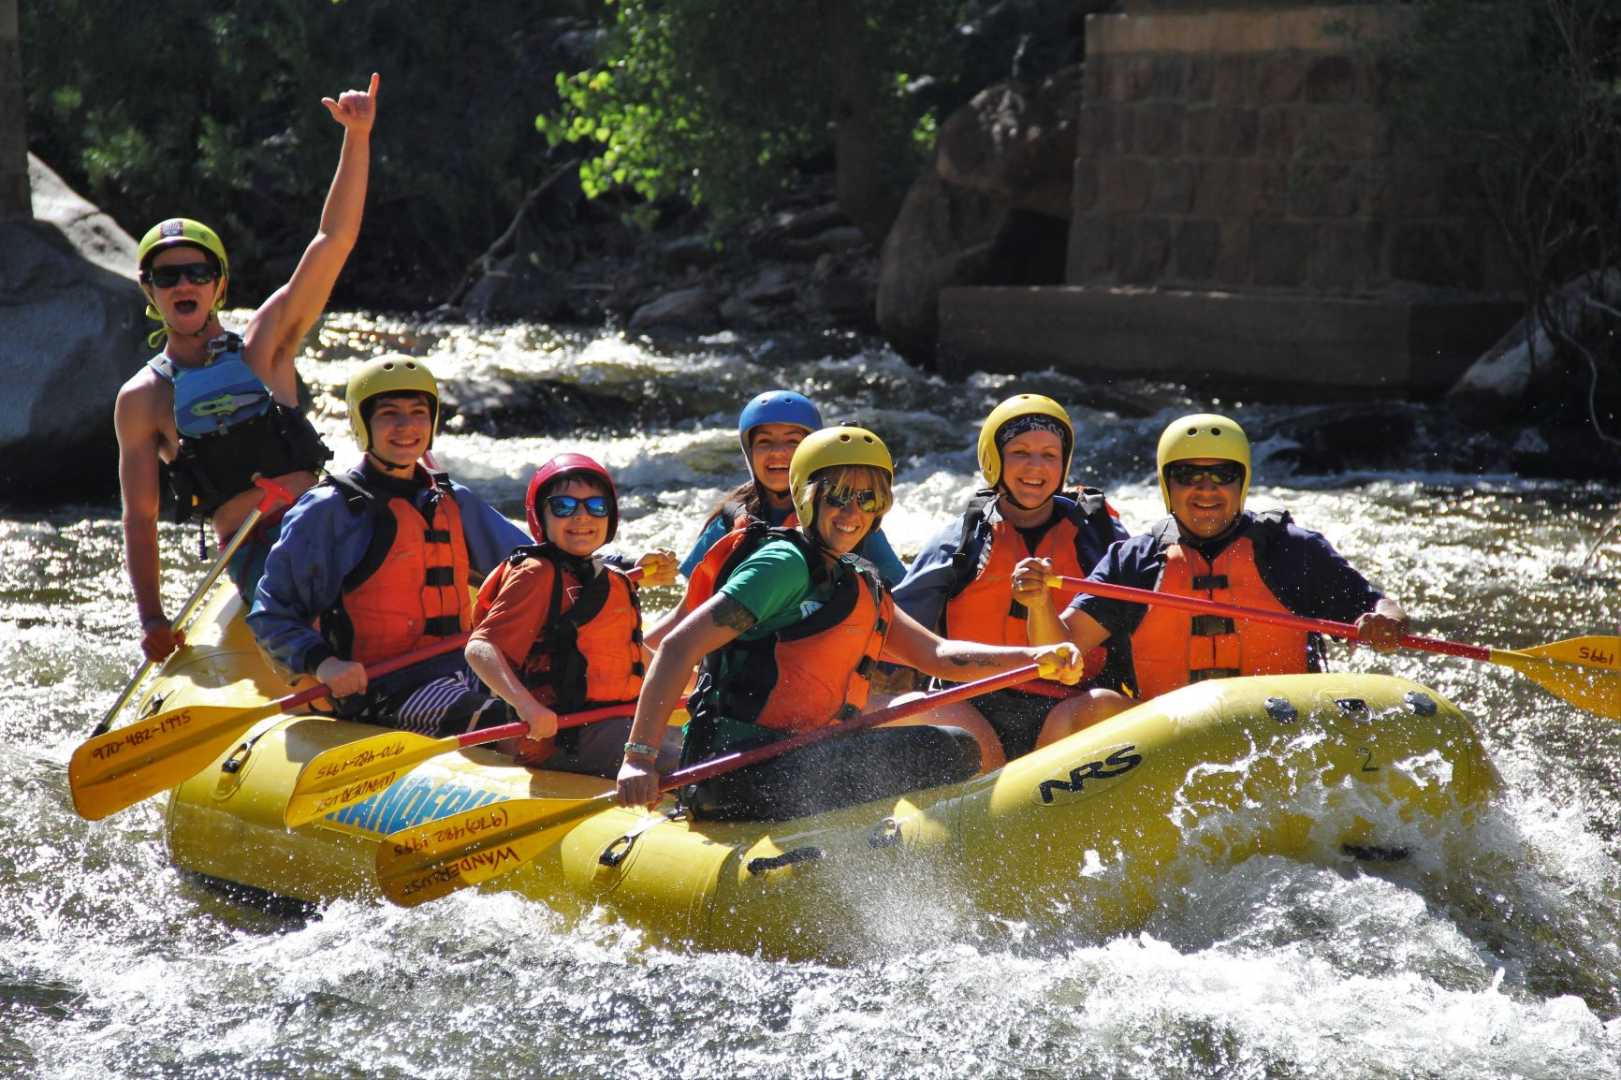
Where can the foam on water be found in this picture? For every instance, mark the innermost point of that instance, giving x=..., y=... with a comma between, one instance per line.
x=1492, y=952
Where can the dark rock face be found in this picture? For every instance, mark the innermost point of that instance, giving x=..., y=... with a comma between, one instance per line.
x=993, y=211
x=71, y=332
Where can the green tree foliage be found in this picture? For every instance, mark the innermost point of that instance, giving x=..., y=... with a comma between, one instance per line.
x=1526, y=94
x=719, y=101
x=213, y=111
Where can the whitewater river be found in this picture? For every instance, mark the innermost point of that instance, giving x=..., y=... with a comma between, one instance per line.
x=113, y=965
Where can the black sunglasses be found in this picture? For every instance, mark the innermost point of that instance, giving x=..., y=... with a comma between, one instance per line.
x=566, y=505
x=1187, y=474
x=167, y=277
x=867, y=499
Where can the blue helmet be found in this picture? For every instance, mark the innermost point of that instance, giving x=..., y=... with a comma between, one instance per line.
x=776, y=407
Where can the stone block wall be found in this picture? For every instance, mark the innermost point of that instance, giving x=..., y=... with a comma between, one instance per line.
x=1251, y=148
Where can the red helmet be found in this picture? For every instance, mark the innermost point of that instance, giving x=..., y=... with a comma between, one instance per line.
x=565, y=465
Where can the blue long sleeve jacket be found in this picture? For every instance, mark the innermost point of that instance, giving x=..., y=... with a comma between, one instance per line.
x=321, y=541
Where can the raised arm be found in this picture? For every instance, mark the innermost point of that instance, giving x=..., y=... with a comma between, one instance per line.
x=282, y=321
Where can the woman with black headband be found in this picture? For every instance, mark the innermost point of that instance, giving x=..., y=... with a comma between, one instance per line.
x=961, y=584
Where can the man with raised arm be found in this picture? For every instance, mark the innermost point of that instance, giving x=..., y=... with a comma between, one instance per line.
x=215, y=409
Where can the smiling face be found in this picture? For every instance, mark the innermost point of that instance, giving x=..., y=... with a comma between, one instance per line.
x=185, y=307
x=842, y=528
x=401, y=430
x=1032, y=468
x=771, y=448
x=579, y=534
x=1206, y=509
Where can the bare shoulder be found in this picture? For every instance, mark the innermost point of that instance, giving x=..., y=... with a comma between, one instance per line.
x=144, y=398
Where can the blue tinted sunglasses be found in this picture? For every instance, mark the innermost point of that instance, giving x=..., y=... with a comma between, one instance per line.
x=1187, y=474
x=866, y=499
x=566, y=505
x=167, y=277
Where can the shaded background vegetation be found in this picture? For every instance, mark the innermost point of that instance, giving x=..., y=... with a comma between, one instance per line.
x=212, y=110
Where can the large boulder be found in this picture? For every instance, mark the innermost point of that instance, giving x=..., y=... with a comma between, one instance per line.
x=1530, y=374
x=992, y=211
x=71, y=332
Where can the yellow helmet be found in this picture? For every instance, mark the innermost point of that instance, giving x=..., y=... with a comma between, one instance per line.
x=990, y=454
x=174, y=232
x=388, y=375
x=829, y=448
x=1203, y=435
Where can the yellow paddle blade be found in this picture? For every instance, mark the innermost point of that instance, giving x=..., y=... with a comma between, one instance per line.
x=1585, y=671
x=136, y=761
x=435, y=859
x=352, y=773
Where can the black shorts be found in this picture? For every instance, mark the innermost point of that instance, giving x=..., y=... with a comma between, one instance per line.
x=868, y=765
x=1016, y=717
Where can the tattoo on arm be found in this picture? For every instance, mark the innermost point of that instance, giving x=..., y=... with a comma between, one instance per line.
x=731, y=615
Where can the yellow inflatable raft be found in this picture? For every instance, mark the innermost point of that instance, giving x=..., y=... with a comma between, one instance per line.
x=1091, y=832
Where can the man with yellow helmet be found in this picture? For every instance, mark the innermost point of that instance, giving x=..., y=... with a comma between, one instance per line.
x=961, y=584
x=1213, y=548
x=213, y=409
x=788, y=643
x=377, y=561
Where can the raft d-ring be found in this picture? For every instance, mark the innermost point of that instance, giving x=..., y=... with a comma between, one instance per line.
x=787, y=858
x=239, y=757
x=1282, y=710
x=887, y=833
x=154, y=705
x=619, y=850
x=1421, y=704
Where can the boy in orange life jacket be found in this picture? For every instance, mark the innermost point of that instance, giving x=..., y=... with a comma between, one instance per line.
x=557, y=631
x=961, y=583
x=1210, y=547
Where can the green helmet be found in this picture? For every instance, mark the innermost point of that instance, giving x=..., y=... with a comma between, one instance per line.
x=182, y=231
x=383, y=376
x=1203, y=435
x=826, y=449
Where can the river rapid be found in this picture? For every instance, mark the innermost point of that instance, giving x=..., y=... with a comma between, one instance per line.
x=114, y=965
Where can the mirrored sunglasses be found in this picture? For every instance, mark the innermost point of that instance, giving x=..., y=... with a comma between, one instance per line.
x=167, y=277
x=1187, y=474
x=866, y=499
x=565, y=505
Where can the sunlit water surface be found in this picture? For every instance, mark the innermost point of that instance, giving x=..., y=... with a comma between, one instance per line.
x=1503, y=964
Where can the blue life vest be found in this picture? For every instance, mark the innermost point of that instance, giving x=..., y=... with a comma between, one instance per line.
x=230, y=429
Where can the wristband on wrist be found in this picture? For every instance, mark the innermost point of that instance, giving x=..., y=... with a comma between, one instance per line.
x=148, y=620
x=641, y=749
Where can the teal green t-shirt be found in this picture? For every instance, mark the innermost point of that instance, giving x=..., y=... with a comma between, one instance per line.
x=774, y=585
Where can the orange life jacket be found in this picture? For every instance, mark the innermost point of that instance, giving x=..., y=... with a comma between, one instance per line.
x=411, y=586
x=983, y=608
x=718, y=561
x=1172, y=648
x=588, y=651
x=809, y=675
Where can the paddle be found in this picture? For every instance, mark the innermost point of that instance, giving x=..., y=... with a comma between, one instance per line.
x=274, y=495
x=354, y=772
x=1584, y=671
x=428, y=861
x=122, y=767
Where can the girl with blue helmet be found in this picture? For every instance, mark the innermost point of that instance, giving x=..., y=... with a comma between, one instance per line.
x=769, y=429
